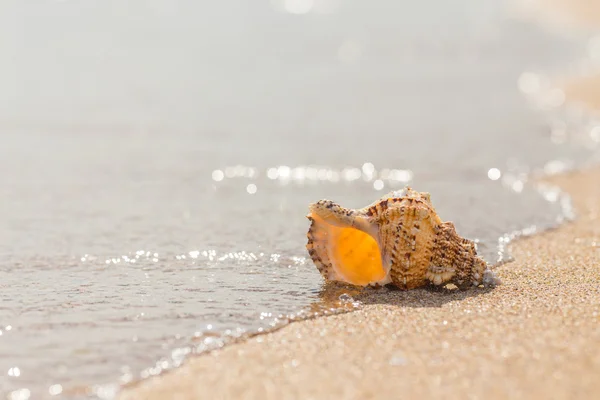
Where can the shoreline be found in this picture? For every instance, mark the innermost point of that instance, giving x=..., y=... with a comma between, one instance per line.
x=531, y=336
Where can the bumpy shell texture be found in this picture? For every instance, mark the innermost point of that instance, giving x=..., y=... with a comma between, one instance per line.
x=399, y=239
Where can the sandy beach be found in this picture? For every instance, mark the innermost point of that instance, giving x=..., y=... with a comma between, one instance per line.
x=535, y=336
x=155, y=180
x=584, y=90
x=157, y=164
x=577, y=14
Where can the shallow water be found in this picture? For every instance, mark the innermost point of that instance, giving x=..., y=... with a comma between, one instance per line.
x=157, y=160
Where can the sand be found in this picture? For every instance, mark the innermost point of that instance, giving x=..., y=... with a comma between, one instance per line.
x=584, y=90
x=572, y=14
x=568, y=16
x=536, y=335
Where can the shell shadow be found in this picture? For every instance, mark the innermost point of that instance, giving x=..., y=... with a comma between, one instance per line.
x=430, y=296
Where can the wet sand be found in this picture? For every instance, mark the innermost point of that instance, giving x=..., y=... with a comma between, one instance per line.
x=536, y=335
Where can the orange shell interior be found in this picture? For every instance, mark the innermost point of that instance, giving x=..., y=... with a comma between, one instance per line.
x=354, y=254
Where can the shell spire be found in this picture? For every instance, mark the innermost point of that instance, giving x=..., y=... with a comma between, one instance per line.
x=398, y=239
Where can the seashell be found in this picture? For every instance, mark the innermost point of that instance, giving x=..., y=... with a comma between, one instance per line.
x=398, y=239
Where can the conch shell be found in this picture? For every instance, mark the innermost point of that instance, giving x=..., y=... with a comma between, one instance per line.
x=399, y=240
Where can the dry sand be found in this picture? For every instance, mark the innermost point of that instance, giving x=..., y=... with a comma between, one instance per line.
x=573, y=14
x=537, y=335
x=585, y=90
